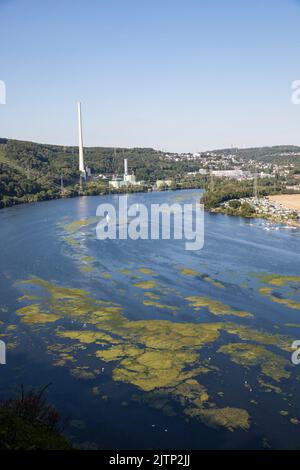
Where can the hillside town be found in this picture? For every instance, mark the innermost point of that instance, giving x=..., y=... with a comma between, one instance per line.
x=232, y=165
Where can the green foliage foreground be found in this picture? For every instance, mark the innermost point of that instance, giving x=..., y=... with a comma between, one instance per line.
x=29, y=423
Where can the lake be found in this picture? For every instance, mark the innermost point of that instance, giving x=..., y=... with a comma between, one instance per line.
x=147, y=345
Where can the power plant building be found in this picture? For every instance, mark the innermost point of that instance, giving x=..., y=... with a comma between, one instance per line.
x=127, y=180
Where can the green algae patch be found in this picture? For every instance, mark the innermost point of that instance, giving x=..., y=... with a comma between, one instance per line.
x=190, y=392
x=125, y=271
x=32, y=314
x=11, y=335
x=215, y=307
x=119, y=352
x=279, y=280
x=152, y=303
x=268, y=387
x=248, y=355
x=60, y=302
x=87, y=259
x=189, y=272
x=154, y=369
x=205, y=277
x=151, y=295
x=214, y=282
x=162, y=355
x=71, y=241
x=268, y=292
x=171, y=336
x=230, y=418
x=258, y=336
x=157, y=354
x=88, y=337
x=28, y=297
x=63, y=354
x=145, y=285
x=82, y=373
x=287, y=302
x=106, y=275
x=11, y=328
x=78, y=224
x=147, y=271
x=86, y=269
x=63, y=360
x=55, y=291
x=265, y=290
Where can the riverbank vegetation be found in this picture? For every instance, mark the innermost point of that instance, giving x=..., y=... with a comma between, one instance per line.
x=221, y=190
x=248, y=199
x=28, y=422
x=31, y=172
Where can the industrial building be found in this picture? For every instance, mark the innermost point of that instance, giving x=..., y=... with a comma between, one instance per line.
x=127, y=179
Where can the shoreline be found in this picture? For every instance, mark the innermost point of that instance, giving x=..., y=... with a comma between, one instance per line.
x=217, y=210
x=279, y=209
x=273, y=220
x=108, y=193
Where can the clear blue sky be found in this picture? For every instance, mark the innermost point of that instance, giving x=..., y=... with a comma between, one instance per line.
x=181, y=75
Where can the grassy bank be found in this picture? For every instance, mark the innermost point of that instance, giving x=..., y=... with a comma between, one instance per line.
x=28, y=422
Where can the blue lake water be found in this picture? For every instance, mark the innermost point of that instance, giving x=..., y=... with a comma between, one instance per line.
x=121, y=346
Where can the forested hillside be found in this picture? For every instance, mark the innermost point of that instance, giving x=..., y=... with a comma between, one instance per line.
x=281, y=154
x=225, y=189
x=33, y=172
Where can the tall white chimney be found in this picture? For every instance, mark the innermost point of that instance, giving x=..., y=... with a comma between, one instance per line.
x=125, y=168
x=81, y=160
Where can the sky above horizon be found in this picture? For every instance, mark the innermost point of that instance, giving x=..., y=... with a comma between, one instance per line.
x=176, y=75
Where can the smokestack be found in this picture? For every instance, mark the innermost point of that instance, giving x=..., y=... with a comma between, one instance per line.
x=81, y=161
x=125, y=167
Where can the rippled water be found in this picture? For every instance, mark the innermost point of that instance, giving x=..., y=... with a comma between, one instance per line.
x=160, y=347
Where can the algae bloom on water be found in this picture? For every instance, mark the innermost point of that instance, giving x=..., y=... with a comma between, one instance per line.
x=276, y=289
x=160, y=357
x=215, y=307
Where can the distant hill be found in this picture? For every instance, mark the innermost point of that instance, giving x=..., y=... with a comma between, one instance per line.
x=281, y=154
x=31, y=171
x=54, y=160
